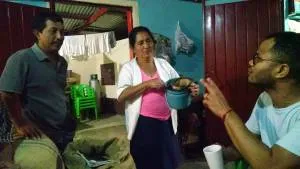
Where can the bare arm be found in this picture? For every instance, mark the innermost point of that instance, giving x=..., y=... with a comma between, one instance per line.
x=230, y=153
x=254, y=151
x=15, y=109
x=132, y=92
x=258, y=155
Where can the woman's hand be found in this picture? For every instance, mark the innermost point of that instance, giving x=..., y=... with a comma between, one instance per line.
x=214, y=98
x=155, y=83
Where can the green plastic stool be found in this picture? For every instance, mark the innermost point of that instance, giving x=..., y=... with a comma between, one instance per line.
x=241, y=164
x=83, y=97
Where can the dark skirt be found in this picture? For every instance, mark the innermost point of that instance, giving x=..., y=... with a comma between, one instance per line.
x=154, y=145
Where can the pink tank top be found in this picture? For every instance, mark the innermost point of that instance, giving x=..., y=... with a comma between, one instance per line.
x=154, y=101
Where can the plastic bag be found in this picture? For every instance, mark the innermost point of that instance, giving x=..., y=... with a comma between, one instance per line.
x=163, y=47
x=183, y=43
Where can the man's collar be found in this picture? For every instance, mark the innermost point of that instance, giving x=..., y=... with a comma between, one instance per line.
x=39, y=53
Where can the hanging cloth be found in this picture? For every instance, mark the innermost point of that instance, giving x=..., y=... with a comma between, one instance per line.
x=73, y=47
x=100, y=42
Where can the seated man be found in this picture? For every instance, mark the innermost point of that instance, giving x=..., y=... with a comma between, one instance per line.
x=270, y=138
x=32, y=86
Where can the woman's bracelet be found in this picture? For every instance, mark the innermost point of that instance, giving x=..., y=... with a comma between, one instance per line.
x=225, y=114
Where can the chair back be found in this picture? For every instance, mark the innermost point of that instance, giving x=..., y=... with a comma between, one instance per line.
x=82, y=91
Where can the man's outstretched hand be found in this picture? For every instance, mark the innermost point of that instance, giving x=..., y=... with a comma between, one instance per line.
x=214, y=98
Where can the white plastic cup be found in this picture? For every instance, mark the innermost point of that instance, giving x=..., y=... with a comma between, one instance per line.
x=214, y=156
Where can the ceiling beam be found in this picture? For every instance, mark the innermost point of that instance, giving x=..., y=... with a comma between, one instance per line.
x=98, y=13
x=72, y=16
x=72, y=2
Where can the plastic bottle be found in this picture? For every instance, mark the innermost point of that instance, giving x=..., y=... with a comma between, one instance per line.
x=94, y=83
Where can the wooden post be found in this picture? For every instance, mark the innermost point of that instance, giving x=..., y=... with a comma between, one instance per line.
x=52, y=6
x=129, y=27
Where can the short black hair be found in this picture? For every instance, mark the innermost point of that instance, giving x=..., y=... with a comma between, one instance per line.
x=39, y=21
x=287, y=49
x=135, y=31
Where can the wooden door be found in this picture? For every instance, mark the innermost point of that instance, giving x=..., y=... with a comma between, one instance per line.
x=232, y=34
x=15, y=28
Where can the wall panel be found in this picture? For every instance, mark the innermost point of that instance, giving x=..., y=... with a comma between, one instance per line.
x=232, y=34
x=15, y=28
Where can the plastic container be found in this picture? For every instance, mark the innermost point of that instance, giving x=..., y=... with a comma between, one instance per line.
x=95, y=83
x=177, y=99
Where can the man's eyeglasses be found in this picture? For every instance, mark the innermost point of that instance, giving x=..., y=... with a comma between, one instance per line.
x=256, y=59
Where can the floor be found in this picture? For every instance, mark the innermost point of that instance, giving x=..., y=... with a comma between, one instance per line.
x=197, y=161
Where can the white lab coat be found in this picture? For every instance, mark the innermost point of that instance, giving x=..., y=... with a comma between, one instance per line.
x=130, y=75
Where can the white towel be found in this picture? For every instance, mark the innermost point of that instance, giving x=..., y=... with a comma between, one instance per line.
x=100, y=42
x=80, y=47
x=73, y=47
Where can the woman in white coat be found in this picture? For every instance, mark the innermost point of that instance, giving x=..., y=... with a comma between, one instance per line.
x=151, y=124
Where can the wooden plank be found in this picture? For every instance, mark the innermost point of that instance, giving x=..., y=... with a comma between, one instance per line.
x=252, y=29
x=4, y=36
x=263, y=20
x=275, y=16
x=209, y=42
x=210, y=63
x=252, y=45
x=218, y=2
x=231, y=65
x=15, y=26
x=220, y=76
x=241, y=57
x=27, y=17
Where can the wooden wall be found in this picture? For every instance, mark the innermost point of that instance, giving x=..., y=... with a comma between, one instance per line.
x=232, y=34
x=15, y=28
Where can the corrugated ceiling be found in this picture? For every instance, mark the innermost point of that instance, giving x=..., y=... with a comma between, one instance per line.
x=77, y=14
